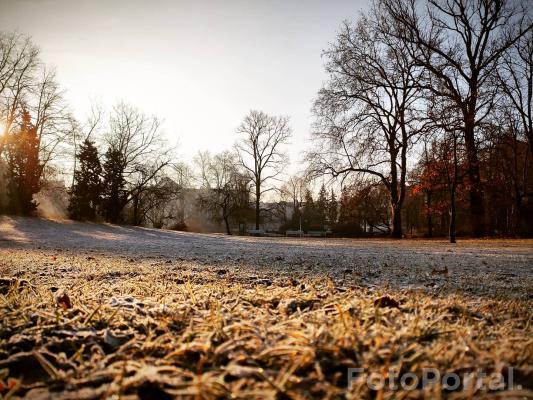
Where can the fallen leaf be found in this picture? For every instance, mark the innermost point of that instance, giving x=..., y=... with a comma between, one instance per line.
x=386, y=302
x=63, y=300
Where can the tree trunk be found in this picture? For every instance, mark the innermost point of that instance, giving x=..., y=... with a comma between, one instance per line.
x=453, y=189
x=396, y=231
x=516, y=228
x=452, y=216
x=395, y=199
x=136, y=221
x=429, y=216
x=477, y=211
x=226, y=221
x=112, y=210
x=257, y=200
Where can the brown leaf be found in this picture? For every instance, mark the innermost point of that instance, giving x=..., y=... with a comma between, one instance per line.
x=386, y=302
x=63, y=300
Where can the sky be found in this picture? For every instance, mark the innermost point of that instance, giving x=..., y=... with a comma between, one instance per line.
x=199, y=65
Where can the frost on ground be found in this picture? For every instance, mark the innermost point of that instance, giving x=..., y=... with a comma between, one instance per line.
x=95, y=311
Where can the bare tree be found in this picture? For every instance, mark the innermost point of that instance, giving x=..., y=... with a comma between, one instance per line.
x=260, y=152
x=515, y=78
x=143, y=153
x=56, y=127
x=460, y=43
x=450, y=155
x=367, y=119
x=162, y=204
x=223, y=186
x=19, y=61
x=151, y=203
x=448, y=150
x=294, y=189
x=182, y=174
x=81, y=133
x=27, y=85
x=508, y=167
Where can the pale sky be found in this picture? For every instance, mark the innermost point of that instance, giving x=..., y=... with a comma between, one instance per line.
x=198, y=65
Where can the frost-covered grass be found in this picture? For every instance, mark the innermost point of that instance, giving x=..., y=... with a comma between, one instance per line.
x=94, y=311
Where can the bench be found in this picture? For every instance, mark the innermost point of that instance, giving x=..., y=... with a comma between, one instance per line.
x=294, y=233
x=316, y=234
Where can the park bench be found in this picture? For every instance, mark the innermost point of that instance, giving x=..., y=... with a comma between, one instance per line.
x=316, y=234
x=294, y=233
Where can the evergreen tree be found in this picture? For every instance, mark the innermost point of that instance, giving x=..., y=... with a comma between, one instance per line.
x=86, y=192
x=332, y=209
x=345, y=211
x=309, y=220
x=114, y=184
x=347, y=224
x=24, y=167
x=296, y=219
x=322, y=207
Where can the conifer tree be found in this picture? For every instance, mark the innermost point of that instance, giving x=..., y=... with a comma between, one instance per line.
x=86, y=192
x=332, y=211
x=24, y=167
x=114, y=185
x=322, y=207
x=309, y=211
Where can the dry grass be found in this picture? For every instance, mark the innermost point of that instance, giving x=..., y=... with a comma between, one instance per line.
x=96, y=326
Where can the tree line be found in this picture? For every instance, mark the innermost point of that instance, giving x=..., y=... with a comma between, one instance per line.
x=449, y=81
x=123, y=171
x=424, y=125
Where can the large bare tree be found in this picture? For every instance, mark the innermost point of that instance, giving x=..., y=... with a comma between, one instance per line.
x=448, y=151
x=136, y=137
x=515, y=78
x=29, y=90
x=19, y=62
x=56, y=127
x=367, y=117
x=26, y=85
x=460, y=43
x=260, y=151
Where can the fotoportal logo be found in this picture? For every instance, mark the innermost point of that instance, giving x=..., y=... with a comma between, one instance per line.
x=431, y=377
